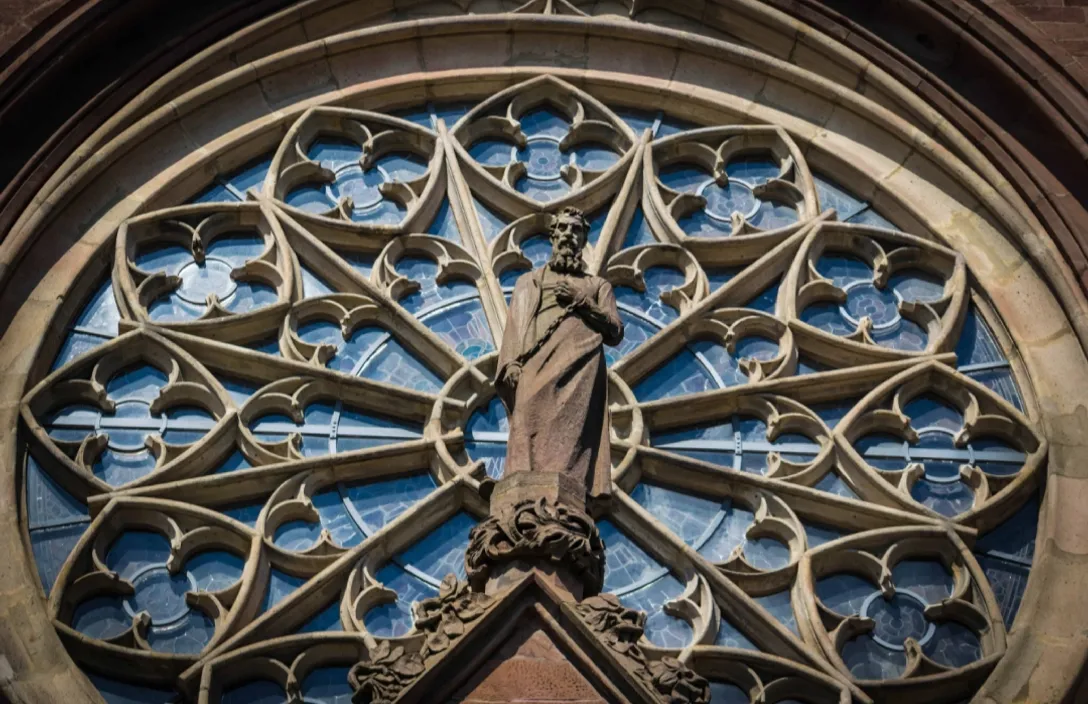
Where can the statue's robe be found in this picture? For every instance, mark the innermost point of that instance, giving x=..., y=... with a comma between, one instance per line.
x=559, y=411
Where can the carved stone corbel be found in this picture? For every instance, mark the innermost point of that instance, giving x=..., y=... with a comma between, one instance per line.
x=538, y=529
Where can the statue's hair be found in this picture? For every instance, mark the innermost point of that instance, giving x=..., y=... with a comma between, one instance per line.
x=571, y=212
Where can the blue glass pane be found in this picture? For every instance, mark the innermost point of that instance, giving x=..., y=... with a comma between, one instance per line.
x=729, y=636
x=51, y=547
x=492, y=454
x=844, y=593
x=493, y=152
x=327, y=685
x=762, y=553
x=1001, y=382
x=1015, y=538
x=543, y=191
x=684, y=178
x=452, y=112
x=928, y=579
x=977, y=344
x=361, y=262
x=214, y=570
x=100, y=315
x=313, y=285
x=444, y=225
x=393, y=620
x=637, y=120
x=1008, y=580
x=280, y=586
x=47, y=503
x=639, y=232
x=780, y=607
x=818, y=534
x=393, y=364
x=544, y=122
x=953, y=645
x=724, y=693
x=872, y=218
x=720, y=277
x=635, y=332
x=832, y=483
x=661, y=629
x=373, y=506
x=766, y=300
x=328, y=619
x=683, y=374
x=626, y=564
x=491, y=222
x=689, y=517
x=239, y=390
x=672, y=125
x=76, y=344
x=102, y=618
x=832, y=195
x=442, y=551
x=868, y=660
x=258, y=692
x=463, y=326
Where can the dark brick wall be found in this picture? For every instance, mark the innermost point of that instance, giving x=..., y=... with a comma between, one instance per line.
x=1063, y=21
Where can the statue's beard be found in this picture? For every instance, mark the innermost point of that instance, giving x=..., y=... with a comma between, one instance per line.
x=567, y=260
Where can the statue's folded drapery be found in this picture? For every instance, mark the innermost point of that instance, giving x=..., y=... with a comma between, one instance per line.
x=559, y=410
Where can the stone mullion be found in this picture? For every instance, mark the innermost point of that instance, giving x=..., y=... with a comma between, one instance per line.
x=622, y=211
x=743, y=610
x=373, y=463
x=384, y=398
x=460, y=198
x=707, y=479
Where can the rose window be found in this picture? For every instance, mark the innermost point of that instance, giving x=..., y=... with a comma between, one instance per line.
x=263, y=438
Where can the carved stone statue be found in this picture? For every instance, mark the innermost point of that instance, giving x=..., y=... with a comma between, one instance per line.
x=552, y=373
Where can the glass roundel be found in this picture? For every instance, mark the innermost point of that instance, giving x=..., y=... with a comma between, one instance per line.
x=275, y=402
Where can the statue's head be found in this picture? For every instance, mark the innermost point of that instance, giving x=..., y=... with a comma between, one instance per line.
x=568, y=236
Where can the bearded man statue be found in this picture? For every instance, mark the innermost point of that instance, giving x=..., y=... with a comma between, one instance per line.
x=552, y=374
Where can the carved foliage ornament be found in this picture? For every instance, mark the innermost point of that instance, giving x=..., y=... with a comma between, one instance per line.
x=620, y=628
x=540, y=529
x=441, y=619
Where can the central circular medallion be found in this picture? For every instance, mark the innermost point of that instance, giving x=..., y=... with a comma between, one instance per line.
x=543, y=159
x=864, y=299
x=200, y=280
x=160, y=594
x=897, y=619
x=734, y=197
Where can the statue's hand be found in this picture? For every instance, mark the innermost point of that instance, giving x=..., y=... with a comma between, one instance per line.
x=512, y=376
x=567, y=294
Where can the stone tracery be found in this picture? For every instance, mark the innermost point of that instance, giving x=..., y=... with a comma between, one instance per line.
x=768, y=365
